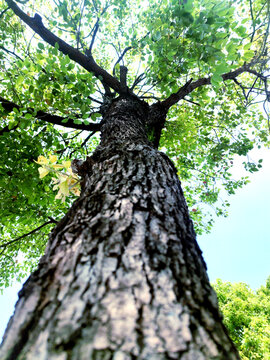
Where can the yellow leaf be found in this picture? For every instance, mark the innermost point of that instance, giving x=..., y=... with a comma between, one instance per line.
x=61, y=178
x=43, y=172
x=42, y=160
x=76, y=191
x=71, y=181
x=69, y=170
x=63, y=187
x=59, y=195
x=67, y=164
x=53, y=158
x=57, y=166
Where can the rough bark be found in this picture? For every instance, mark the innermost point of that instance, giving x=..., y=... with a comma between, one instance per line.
x=122, y=277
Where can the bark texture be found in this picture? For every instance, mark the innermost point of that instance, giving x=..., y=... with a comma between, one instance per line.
x=122, y=277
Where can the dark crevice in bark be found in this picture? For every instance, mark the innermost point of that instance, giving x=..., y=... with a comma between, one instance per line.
x=150, y=285
x=139, y=330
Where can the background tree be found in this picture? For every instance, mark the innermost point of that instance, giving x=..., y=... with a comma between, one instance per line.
x=186, y=69
x=246, y=316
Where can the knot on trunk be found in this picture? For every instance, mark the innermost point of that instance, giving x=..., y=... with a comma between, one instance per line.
x=82, y=167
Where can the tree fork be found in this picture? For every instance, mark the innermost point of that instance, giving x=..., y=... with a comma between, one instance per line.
x=122, y=276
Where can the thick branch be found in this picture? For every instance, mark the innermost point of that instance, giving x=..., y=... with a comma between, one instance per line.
x=52, y=119
x=123, y=78
x=180, y=94
x=87, y=62
x=190, y=86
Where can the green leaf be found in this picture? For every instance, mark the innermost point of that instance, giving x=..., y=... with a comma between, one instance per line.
x=94, y=116
x=222, y=69
x=41, y=46
x=241, y=31
x=188, y=5
x=23, y=124
x=27, y=116
x=12, y=124
x=216, y=79
x=248, y=55
x=20, y=80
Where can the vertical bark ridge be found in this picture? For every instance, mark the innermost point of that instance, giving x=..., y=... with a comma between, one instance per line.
x=122, y=277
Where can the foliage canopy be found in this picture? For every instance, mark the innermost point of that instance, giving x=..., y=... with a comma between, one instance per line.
x=204, y=61
x=246, y=316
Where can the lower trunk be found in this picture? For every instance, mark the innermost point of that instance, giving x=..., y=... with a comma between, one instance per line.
x=122, y=276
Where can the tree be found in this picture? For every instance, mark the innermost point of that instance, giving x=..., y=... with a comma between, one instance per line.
x=122, y=276
x=246, y=316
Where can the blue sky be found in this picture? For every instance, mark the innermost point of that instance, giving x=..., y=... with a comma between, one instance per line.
x=237, y=249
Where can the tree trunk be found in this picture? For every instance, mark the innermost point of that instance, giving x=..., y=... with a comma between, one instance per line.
x=122, y=277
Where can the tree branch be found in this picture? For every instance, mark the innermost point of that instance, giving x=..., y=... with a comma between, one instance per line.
x=10, y=52
x=95, y=30
x=6, y=129
x=88, y=137
x=242, y=88
x=123, y=78
x=52, y=119
x=182, y=92
x=96, y=27
x=190, y=86
x=252, y=20
x=138, y=79
x=25, y=235
x=2, y=12
x=87, y=62
x=121, y=57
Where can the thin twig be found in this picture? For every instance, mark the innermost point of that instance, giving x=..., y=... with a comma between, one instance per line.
x=242, y=88
x=88, y=137
x=267, y=114
x=2, y=12
x=80, y=22
x=121, y=57
x=95, y=30
x=252, y=19
x=137, y=80
x=10, y=52
x=52, y=221
x=192, y=102
x=95, y=100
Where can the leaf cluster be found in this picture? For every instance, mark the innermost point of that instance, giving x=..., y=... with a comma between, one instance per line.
x=246, y=316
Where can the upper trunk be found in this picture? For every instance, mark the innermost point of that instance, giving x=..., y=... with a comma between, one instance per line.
x=122, y=276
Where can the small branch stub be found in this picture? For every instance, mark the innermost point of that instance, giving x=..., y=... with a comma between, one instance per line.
x=123, y=78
